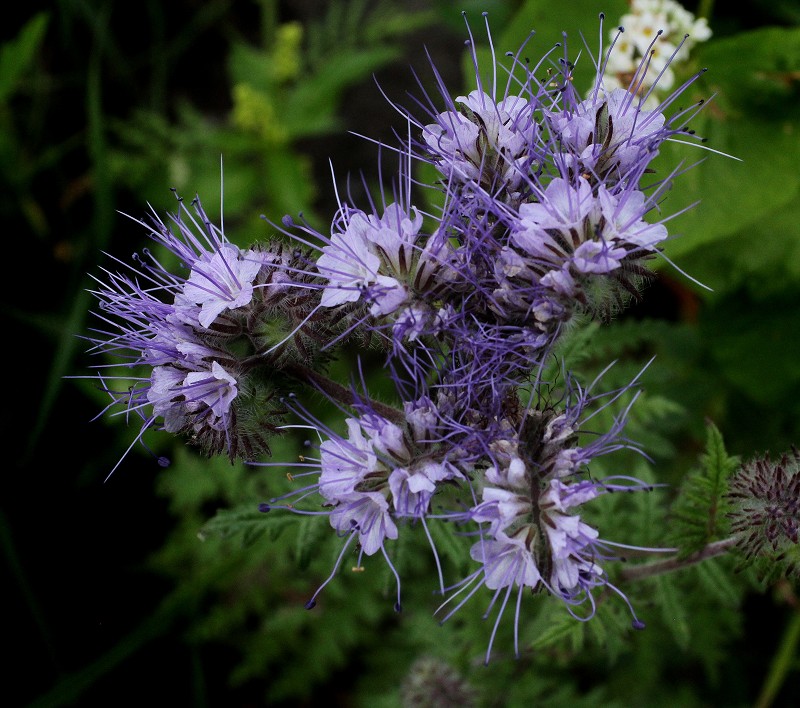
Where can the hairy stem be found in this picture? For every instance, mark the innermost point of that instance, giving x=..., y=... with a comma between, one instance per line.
x=340, y=393
x=717, y=548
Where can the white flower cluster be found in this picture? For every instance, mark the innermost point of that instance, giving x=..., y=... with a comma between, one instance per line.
x=641, y=24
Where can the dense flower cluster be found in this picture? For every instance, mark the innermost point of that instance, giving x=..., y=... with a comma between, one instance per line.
x=545, y=220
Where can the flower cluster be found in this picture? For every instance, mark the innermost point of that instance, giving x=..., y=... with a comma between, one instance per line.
x=660, y=32
x=545, y=221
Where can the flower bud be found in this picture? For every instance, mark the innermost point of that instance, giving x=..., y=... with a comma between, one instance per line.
x=765, y=509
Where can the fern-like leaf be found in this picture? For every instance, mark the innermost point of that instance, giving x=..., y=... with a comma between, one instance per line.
x=698, y=513
x=246, y=522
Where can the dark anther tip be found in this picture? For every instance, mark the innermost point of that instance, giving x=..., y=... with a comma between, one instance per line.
x=264, y=508
x=311, y=604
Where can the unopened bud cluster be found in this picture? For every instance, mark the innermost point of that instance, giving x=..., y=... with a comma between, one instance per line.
x=765, y=509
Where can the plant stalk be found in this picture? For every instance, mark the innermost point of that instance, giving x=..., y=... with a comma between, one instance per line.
x=717, y=548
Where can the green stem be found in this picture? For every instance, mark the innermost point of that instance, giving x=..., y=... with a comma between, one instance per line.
x=340, y=393
x=717, y=548
x=705, y=9
x=782, y=662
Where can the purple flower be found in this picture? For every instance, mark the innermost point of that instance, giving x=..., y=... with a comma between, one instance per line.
x=225, y=281
x=609, y=136
x=484, y=142
x=570, y=226
x=405, y=464
x=350, y=265
x=367, y=514
x=214, y=390
x=388, y=264
x=623, y=223
x=562, y=207
x=345, y=462
x=192, y=344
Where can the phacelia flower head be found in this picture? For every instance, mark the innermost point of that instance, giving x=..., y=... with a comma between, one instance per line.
x=529, y=506
x=608, y=136
x=576, y=240
x=543, y=216
x=380, y=474
x=202, y=348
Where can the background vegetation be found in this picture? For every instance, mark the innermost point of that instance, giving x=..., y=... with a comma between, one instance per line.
x=136, y=588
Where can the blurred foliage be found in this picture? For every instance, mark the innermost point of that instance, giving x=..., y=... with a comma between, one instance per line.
x=255, y=96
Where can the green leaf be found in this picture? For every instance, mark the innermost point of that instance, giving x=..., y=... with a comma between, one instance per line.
x=310, y=530
x=717, y=582
x=573, y=349
x=247, y=522
x=764, y=331
x=771, y=56
x=17, y=55
x=549, y=20
x=449, y=545
x=561, y=627
x=311, y=106
x=717, y=464
x=762, y=259
x=288, y=181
